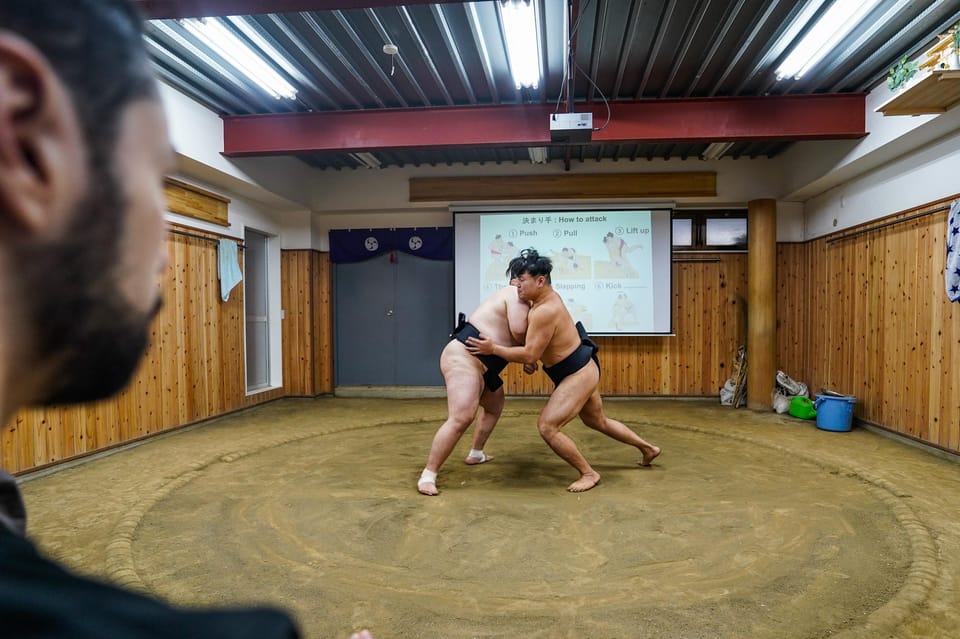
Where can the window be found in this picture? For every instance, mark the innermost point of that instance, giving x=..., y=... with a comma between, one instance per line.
x=710, y=230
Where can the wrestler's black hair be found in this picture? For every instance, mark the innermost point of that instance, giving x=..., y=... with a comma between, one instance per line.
x=96, y=48
x=513, y=268
x=532, y=263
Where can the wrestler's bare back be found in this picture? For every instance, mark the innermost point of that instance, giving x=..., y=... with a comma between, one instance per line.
x=502, y=316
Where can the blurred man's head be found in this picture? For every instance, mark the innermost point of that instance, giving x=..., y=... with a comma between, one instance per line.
x=83, y=151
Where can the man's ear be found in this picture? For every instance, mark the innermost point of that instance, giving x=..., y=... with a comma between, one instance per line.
x=42, y=163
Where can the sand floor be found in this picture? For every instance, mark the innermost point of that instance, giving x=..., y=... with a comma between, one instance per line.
x=749, y=525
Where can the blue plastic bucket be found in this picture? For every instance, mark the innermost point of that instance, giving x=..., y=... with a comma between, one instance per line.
x=834, y=413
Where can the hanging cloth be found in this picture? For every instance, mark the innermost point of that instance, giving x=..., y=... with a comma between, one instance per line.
x=228, y=267
x=952, y=271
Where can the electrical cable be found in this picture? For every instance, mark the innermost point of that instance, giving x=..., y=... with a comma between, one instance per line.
x=602, y=97
x=563, y=81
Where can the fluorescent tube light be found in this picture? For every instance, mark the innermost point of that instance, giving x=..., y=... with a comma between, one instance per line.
x=234, y=50
x=820, y=39
x=538, y=154
x=368, y=160
x=522, y=34
x=716, y=150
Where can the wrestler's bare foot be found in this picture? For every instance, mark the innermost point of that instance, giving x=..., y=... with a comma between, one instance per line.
x=473, y=461
x=585, y=483
x=650, y=455
x=427, y=488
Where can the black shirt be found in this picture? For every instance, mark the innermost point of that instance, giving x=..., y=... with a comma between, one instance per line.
x=40, y=599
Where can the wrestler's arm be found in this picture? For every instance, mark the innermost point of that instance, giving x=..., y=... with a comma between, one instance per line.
x=541, y=322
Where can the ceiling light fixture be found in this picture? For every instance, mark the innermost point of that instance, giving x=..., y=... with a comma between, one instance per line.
x=833, y=25
x=240, y=55
x=715, y=151
x=368, y=160
x=522, y=34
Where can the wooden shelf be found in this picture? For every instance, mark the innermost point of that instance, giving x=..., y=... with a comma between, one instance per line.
x=936, y=92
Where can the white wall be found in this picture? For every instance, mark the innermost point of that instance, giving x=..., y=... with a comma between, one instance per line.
x=924, y=175
x=812, y=168
x=373, y=190
x=197, y=136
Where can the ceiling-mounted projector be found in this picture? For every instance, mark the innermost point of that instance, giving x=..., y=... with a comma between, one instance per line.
x=573, y=128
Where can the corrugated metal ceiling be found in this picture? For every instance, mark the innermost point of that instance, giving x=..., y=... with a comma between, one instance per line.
x=454, y=54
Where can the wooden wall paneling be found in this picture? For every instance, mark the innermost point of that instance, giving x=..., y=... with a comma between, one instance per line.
x=308, y=326
x=708, y=331
x=872, y=393
x=859, y=310
x=308, y=355
x=193, y=370
x=685, y=309
x=167, y=335
x=303, y=288
x=305, y=323
x=880, y=327
x=187, y=199
x=288, y=335
x=920, y=295
x=948, y=377
x=323, y=327
x=709, y=327
x=939, y=333
x=200, y=311
x=52, y=435
x=234, y=353
x=213, y=328
x=202, y=303
x=11, y=447
x=294, y=272
x=892, y=361
x=145, y=394
x=308, y=323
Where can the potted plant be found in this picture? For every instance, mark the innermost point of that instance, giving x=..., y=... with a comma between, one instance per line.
x=955, y=56
x=900, y=73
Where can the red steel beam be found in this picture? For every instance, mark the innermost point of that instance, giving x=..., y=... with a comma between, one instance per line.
x=746, y=119
x=161, y=9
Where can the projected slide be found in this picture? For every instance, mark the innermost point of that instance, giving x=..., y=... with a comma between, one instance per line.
x=611, y=267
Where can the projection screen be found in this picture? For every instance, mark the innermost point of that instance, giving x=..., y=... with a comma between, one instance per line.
x=611, y=266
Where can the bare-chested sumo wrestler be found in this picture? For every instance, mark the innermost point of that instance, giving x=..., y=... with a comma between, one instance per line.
x=474, y=381
x=569, y=359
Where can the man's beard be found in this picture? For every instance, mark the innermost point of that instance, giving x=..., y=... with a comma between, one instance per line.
x=94, y=338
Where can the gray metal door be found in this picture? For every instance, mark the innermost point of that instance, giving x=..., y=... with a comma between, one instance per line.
x=424, y=306
x=365, y=331
x=392, y=319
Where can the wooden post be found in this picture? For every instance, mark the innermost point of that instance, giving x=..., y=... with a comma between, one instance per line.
x=761, y=302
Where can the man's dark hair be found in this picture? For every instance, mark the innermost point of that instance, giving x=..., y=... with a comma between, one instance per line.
x=531, y=263
x=513, y=266
x=96, y=49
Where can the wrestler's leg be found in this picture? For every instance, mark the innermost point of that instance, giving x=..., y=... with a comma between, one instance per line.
x=593, y=416
x=564, y=404
x=464, y=383
x=492, y=404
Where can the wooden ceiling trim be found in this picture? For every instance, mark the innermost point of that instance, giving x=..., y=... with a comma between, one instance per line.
x=605, y=186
